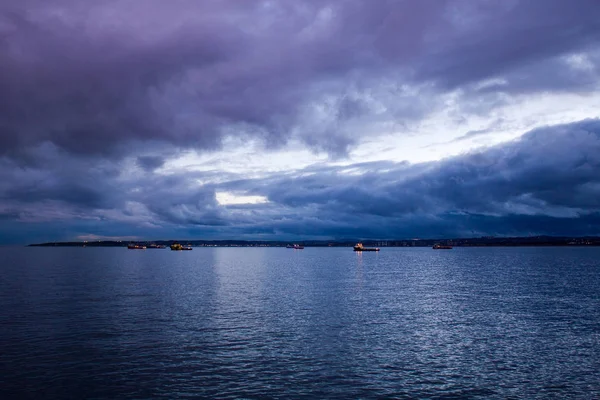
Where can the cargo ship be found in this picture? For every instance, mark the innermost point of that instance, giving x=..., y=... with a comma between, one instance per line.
x=135, y=247
x=156, y=246
x=438, y=246
x=178, y=247
x=360, y=247
x=294, y=246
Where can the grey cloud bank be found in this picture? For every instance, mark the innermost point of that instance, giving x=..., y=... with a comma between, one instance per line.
x=547, y=182
x=97, y=97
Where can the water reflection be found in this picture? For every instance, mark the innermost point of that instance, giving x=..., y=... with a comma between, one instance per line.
x=319, y=323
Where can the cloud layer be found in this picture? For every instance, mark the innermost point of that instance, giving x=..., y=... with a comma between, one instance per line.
x=97, y=98
x=92, y=77
x=546, y=182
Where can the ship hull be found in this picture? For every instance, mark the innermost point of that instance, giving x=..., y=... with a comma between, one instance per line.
x=360, y=247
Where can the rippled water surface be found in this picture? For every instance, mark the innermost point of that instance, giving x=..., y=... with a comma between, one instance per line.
x=312, y=323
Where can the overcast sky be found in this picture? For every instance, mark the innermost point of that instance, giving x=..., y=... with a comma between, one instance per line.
x=290, y=120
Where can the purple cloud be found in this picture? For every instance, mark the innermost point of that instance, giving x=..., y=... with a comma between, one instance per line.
x=93, y=77
x=97, y=97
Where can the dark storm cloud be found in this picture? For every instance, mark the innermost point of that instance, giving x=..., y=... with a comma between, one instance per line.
x=87, y=93
x=150, y=163
x=91, y=77
x=97, y=97
x=547, y=182
x=501, y=38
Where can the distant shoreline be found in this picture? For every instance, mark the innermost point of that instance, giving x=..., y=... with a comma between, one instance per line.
x=538, y=241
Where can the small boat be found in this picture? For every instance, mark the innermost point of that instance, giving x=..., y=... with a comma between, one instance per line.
x=178, y=247
x=135, y=247
x=438, y=246
x=360, y=247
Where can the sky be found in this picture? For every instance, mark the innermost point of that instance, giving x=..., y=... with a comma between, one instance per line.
x=303, y=119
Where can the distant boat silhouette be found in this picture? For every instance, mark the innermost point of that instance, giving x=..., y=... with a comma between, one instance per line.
x=360, y=247
x=178, y=247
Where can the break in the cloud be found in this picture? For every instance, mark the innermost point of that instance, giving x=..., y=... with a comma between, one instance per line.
x=148, y=119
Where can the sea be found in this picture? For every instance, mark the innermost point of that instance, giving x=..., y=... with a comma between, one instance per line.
x=318, y=323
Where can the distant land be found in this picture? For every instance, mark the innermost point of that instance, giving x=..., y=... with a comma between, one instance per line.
x=460, y=242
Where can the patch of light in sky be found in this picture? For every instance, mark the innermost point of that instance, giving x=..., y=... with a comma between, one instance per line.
x=436, y=138
x=489, y=83
x=579, y=62
x=248, y=158
x=433, y=139
x=228, y=198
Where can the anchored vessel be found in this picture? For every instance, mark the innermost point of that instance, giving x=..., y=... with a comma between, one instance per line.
x=294, y=246
x=156, y=246
x=438, y=246
x=135, y=247
x=360, y=247
x=177, y=246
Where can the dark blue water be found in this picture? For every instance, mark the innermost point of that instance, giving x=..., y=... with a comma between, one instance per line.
x=313, y=323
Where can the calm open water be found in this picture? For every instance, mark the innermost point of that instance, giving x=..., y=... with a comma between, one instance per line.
x=314, y=323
